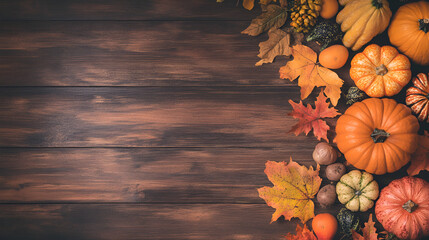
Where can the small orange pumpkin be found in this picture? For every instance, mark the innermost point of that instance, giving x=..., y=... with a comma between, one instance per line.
x=409, y=31
x=377, y=135
x=418, y=97
x=403, y=208
x=380, y=71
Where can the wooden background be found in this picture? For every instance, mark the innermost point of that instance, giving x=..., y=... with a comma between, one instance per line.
x=141, y=120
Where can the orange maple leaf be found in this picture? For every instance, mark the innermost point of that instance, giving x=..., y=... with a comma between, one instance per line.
x=302, y=233
x=310, y=118
x=369, y=231
x=420, y=159
x=304, y=65
x=294, y=186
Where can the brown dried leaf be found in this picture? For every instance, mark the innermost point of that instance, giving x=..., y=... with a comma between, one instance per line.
x=276, y=45
x=274, y=17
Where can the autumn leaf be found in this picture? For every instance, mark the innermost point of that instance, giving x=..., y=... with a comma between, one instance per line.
x=311, y=74
x=310, y=118
x=302, y=233
x=276, y=45
x=294, y=186
x=274, y=17
x=420, y=159
x=369, y=231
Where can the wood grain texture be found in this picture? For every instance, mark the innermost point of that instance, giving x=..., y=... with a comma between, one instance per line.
x=148, y=117
x=151, y=175
x=171, y=10
x=146, y=175
x=160, y=53
x=125, y=221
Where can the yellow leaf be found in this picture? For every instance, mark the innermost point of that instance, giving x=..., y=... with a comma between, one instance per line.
x=304, y=65
x=248, y=4
x=294, y=186
x=277, y=44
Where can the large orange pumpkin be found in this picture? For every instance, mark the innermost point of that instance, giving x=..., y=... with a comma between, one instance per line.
x=403, y=208
x=409, y=31
x=377, y=135
x=380, y=71
x=418, y=97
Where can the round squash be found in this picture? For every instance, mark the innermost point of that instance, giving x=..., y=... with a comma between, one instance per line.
x=361, y=20
x=418, y=97
x=403, y=208
x=324, y=226
x=334, y=57
x=380, y=71
x=329, y=9
x=409, y=31
x=377, y=135
x=357, y=190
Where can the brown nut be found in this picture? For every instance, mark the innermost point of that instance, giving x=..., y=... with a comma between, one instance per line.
x=324, y=154
x=327, y=195
x=335, y=171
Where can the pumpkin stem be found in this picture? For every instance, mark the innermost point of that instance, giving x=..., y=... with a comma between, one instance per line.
x=379, y=135
x=410, y=206
x=377, y=3
x=424, y=24
x=381, y=70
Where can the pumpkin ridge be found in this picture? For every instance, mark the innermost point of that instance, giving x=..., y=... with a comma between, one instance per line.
x=393, y=156
x=369, y=59
x=368, y=113
x=354, y=196
x=367, y=198
x=360, y=121
x=363, y=156
x=393, y=79
x=419, y=100
x=345, y=184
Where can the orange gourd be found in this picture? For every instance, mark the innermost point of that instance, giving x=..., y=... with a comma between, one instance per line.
x=377, y=135
x=324, y=226
x=409, y=31
x=403, y=208
x=334, y=57
x=329, y=9
x=418, y=97
x=380, y=71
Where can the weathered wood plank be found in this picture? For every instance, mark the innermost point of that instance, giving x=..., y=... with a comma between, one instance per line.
x=148, y=117
x=146, y=175
x=169, y=175
x=146, y=221
x=132, y=53
x=123, y=10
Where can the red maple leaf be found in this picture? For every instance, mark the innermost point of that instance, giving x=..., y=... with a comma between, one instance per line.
x=310, y=118
x=302, y=233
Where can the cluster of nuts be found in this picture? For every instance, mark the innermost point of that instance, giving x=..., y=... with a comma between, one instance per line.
x=304, y=14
